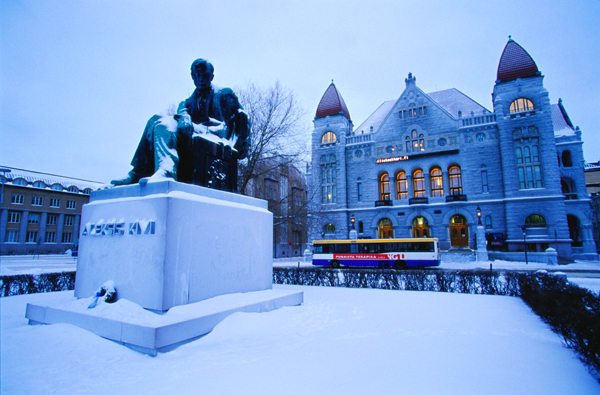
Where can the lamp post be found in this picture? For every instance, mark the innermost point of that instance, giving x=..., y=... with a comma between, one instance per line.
x=479, y=215
x=352, y=220
x=352, y=235
x=523, y=227
x=482, y=253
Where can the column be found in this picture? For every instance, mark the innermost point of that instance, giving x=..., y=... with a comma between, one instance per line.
x=427, y=184
x=23, y=226
x=3, y=221
x=446, y=182
x=43, y=219
x=59, y=228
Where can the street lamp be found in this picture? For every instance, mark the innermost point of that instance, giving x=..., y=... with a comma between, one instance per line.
x=352, y=220
x=523, y=227
x=479, y=215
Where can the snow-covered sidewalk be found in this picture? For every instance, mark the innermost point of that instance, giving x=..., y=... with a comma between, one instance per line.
x=340, y=341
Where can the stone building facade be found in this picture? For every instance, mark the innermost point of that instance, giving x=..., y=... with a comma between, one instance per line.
x=424, y=164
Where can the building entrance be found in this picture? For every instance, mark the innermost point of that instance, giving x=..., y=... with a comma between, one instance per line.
x=459, y=232
x=420, y=227
x=386, y=229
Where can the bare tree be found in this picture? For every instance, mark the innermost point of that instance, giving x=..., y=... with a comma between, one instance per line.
x=278, y=135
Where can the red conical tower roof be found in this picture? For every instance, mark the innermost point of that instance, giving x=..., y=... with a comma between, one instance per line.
x=515, y=63
x=332, y=103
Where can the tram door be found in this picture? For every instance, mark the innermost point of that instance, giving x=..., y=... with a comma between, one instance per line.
x=459, y=232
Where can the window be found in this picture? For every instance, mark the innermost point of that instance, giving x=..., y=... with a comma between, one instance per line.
x=488, y=222
x=360, y=227
x=20, y=181
x=34, y=218
x=31, y=237
x=69, y=220
x=329, y=229
x=271, y=189
x=17, y=199
x=484, y=180
x=419, y=184
x=437, y=186
x=11, y=236
x=72, y=204
x=52, y=219
x=566, y=158
x=37, y=200
x=73, y=188
x=39, y=184
x=535, y=221
x=360, y=192
x=50, y=237
x=402, y=186
x=455, y=179
x=328, y=179
x=87, y=191
x=521, y=104
x=14, y=217
x=328, y=137
x=54, y=202
x=384, y=187
x=57, y=187
x=529, y=167
x=415, y=142
x=67, y=237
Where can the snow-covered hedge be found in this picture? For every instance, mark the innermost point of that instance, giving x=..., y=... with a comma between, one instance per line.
x=34, y=283
x=464, y=281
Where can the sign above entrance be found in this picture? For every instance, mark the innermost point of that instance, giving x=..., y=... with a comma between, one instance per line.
x=394, y=159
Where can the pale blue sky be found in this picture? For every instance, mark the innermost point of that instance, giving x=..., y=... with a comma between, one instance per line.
x=79, y=79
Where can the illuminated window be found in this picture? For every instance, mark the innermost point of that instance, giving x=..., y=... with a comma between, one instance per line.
x=329, y=229
x=415, y=142
x=455, y=179
x=437, y=186
x=384, y=187
x=328, y=137
x=535, y=221
x=402, y=186
x=521, y=104
x=419, y=183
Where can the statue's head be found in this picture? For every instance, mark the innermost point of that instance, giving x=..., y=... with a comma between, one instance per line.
x=202, y=73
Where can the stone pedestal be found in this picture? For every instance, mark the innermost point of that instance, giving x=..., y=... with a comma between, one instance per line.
x=166, y=244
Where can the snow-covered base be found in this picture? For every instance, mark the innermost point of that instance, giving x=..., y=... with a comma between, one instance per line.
x=166, y=244
x=129, y=324
x=339, y=341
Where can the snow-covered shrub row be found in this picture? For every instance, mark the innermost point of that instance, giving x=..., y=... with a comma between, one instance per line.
x=34, y=283
x=464, y=281
x=572, y=312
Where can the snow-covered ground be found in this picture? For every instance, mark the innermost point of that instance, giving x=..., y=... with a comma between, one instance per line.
x=340, y=341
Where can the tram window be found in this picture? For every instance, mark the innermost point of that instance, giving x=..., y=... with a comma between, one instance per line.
x=342, y=248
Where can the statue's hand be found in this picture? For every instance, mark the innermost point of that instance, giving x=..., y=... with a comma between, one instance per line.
x=184, y=124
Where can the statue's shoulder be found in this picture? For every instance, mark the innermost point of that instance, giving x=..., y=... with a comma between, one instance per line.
x=219, y=91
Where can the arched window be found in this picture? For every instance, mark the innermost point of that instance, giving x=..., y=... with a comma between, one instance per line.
x=416, y=142
x=566, y=159
x=329, y=229
x=87, y=191
x=519, y=155
x=455, y=179
x=420, y=227
x=57, y=187
x=419, y=183
x=386, y=229
x=328, y=137
x=39, y=184
x=437, y=186
x=535, y=221
x=521, y=104
x=20, y=181
x=526, y=154
x=488, y=222
x=402, y=186
x=384, y=187
x=74, y=189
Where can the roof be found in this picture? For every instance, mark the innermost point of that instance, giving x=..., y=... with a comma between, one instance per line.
x=332, y=103
x=49, y=179
x=376, y=118
x=515, y=63
x=453, y=101
x=561, y=121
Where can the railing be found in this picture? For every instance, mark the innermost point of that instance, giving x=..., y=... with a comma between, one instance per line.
x=379, y=203
x=418, y=200
x=479, y=119
x=361, y=138
x=456, y=198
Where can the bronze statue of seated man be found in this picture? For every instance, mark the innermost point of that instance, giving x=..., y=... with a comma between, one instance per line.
x=169, y=146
